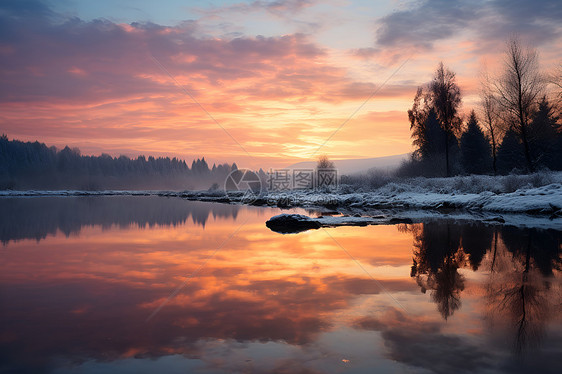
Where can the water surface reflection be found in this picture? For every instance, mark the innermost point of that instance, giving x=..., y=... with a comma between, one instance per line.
x=77, y=301
x=36, y=218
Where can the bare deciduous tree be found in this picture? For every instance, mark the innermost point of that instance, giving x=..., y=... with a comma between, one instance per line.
x=518, y=89
x=556, y=80
x=490, y=115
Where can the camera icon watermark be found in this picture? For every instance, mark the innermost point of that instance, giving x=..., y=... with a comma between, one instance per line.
x=247, y=186
x=245, y=182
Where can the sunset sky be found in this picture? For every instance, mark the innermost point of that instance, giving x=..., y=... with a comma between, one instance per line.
x=261, y=83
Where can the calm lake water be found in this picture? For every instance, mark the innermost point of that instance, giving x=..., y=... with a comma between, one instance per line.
x=153, y=284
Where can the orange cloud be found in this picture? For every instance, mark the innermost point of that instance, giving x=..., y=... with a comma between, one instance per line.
x=115, y=88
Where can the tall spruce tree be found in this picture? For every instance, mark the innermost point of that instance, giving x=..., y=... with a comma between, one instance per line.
x=545, y=140
x=434, y=123
x=510, y=153
x=475, y=149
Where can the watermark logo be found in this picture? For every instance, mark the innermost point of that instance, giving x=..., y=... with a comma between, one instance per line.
x=245, y=182
x=302, y=179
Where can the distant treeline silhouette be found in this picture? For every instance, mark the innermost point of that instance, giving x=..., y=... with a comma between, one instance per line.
x=25, y=165
x=518, y=128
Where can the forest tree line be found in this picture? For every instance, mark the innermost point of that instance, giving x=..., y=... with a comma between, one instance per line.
x=516, y=128
x=25, y=165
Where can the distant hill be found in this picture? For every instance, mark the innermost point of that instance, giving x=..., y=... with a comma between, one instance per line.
x=361, y=165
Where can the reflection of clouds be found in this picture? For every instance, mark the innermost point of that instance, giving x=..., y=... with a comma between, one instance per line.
x=266, y=357
x=420, y=342
x=41, y=323
x=87, y=297
x=113, y=315
x=106, y=290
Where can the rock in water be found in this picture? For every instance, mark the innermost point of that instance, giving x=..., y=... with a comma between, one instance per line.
x=291, y=223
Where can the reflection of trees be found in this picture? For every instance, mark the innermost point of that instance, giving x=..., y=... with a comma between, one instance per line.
x=540, y=248
x=521, y=262
x=437, y=259
x=476, y=241
x=520, y=294
x=35, y=218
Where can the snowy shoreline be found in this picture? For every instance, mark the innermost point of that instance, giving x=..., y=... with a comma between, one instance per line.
x=416, y=200
x=545, y=200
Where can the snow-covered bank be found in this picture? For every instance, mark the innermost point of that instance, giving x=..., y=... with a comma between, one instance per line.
x=532, y=194
x=545, y=200
x=521, y=200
